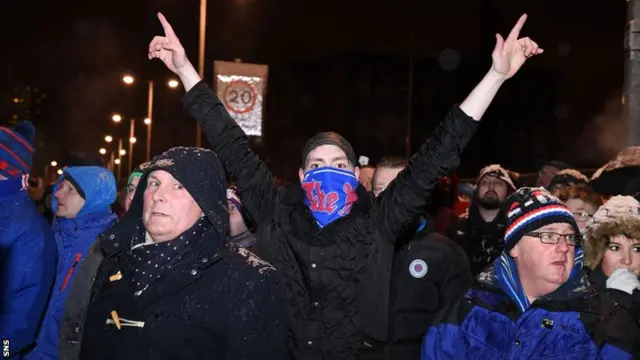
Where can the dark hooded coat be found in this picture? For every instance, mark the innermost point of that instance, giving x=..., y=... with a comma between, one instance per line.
x=336, y=279
x=213, y=300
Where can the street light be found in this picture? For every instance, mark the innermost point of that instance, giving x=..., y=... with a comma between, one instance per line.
x=123, y=152
x=173, y=83
x=128, y=79
x=54, y=163
x=59, y=171
x=117, y=161
x=132, y=140
x=116, y=118
x=102, y=151
x=201, y=52
x=108, y=138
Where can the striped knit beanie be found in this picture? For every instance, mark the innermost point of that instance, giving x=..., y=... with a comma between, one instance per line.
x=16, y=149
x=529, y=209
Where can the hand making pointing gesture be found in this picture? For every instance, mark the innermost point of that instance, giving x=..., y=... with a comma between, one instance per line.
x=168, y=48
x=509, y=55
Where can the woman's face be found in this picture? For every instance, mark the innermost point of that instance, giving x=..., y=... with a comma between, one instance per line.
x=168, y=210
x=621, y=252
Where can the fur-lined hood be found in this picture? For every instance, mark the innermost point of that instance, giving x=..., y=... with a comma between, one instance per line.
x=626, y=158
x=618, y=216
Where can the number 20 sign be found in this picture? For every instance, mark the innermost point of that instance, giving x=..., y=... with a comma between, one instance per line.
x=241, y=88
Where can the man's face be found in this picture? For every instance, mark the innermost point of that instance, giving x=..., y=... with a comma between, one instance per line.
x=168, y=208
x=131, y=192
x=382, y=178
x=545, y=175
x=69, y=200
x=542, y=268
x=491, y=192
x=581, y=210
x=236, y=223
x=366, y=177
x=327, y=156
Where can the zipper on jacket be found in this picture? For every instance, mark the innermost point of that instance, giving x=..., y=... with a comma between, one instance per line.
x=120, y=322
x=70, y=272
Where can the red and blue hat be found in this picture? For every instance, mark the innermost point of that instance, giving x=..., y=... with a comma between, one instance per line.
x=529, y=209
x=16, y=149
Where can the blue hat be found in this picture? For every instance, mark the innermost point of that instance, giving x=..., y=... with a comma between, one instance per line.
x=95, y=184
x=16, y=149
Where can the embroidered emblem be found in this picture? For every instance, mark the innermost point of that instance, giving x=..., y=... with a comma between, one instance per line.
x=418, y=268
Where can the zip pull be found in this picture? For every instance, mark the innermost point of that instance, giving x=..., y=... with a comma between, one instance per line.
x=70, y=272
x=116, y=319
x=115, y=277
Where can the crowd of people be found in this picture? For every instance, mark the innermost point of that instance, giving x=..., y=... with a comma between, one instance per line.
x=352, y=262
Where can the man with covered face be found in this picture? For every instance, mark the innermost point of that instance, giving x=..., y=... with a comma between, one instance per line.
x=331, y=240
x=481, y=229
x=535, y=301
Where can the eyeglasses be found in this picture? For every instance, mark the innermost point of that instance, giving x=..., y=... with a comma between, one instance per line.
x=547, y=237
x=582, y=216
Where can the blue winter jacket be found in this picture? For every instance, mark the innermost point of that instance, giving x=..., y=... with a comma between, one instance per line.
x=27, y=267
x=73, y=238
x=487, y=324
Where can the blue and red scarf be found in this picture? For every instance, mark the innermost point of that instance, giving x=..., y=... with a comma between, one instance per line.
x=330, y=193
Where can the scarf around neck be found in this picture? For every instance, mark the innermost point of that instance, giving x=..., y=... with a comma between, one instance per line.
x=506, y=274
x=152, y=260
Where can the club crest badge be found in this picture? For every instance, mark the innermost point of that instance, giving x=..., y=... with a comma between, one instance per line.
x=418, y=268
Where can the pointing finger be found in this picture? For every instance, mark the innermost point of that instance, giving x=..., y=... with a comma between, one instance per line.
x=515, y=32
x=168, y=30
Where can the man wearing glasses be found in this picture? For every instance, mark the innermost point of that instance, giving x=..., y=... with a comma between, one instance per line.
x=536, y=301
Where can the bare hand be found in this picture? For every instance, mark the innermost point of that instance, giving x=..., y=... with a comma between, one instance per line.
x=168, y=48
x=509, y=55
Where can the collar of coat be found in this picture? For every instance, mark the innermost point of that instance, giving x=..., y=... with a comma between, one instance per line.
x=118, y=238
x=576, y=288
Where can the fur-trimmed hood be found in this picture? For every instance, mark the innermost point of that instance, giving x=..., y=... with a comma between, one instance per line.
x=618, y=216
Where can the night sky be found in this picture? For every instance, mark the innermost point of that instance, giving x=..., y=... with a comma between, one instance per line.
x=334, y=65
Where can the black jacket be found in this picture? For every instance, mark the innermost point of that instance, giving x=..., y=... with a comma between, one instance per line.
x=213, y=299
x=482, y=241
x=418, y=292
x=336, y=279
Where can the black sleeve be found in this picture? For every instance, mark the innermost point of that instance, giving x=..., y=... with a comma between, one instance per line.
x=254, y=181
x=408, y=195
x=615, y=324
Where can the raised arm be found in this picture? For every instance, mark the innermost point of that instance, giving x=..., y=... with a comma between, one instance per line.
x=408, y=195
x=251, y=176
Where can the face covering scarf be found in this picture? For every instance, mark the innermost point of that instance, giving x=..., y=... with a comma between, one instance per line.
x=330, y=193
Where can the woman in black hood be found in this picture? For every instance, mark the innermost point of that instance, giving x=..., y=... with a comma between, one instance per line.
x=167, y=283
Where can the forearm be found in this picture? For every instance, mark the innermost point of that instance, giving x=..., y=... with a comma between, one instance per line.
x=189, y=77
x=477, y=102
